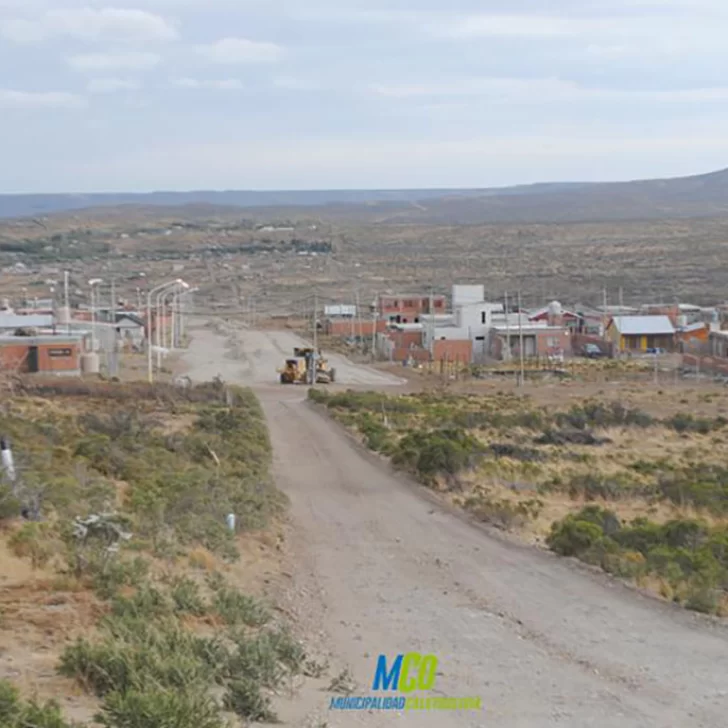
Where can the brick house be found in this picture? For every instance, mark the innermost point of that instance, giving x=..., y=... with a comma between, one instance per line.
x=41, y=354
x=408, y=308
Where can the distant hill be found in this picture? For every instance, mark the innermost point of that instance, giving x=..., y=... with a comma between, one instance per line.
x=683, y=197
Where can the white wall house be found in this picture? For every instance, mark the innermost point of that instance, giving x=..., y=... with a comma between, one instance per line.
x=466, y=295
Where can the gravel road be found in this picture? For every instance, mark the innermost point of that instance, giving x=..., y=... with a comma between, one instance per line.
x=382, y=569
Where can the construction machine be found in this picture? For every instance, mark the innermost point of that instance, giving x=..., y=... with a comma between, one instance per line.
x=295, y=371
x=299, y=369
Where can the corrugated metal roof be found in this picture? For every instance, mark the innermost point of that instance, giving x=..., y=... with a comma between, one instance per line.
x=32, y=321
x=35, y=340
x=644, y=325
x=693, y=327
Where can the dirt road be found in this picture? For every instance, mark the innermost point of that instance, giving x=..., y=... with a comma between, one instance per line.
x=254, y=356
x=544, y=643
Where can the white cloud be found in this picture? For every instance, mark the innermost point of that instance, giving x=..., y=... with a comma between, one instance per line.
x=10, y=99
x=542, y=91
x=225, y=84
x=110, y=85
x=90, y=24
x=136, y=61
x=475, y=26
x=296, y=84
x=241, y=51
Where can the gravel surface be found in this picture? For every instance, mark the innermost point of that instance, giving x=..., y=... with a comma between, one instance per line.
x=380, y=568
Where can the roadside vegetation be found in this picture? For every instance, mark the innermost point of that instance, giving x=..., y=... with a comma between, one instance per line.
x=641, y=492
x=125, y=491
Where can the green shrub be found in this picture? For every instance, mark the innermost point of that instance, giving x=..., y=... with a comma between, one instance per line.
x=33, y=541
x=438, y=452
x=702, y=596
x=597, y=414
x=594, y=485
x=702, y=486
x=244, y=698
x=516, y=452
x=684, y=422
x=156, y=707
x=318, y=395
x=573, y=537
x=147, y=603
x=376, y=434
x=691, y=555
x=238, y=608
x=9, y=505
x=17, y=713
x=135, y=654
x=186, y=597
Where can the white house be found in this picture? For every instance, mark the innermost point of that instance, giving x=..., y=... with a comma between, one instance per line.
x=466, y=295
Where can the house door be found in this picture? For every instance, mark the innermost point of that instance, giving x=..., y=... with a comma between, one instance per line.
x=33, y=359
x=529, y=346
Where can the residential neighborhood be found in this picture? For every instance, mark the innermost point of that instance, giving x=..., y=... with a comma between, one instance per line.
x=468, y=328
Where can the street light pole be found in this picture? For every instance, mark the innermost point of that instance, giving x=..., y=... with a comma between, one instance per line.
x=160, y=328
x=150, y=293
x=183, y=310
x=93, y=283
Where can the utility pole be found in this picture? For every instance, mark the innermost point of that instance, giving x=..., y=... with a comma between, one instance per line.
x=432, y=325
x=353, y=326
x=374, y=332
x=520, y=336
x=65, y=300
x=315, y=338
x=360, y=337
x=508, y=330
x=114, y=348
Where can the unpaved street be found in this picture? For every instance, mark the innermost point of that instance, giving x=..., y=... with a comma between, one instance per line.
x=545, y=643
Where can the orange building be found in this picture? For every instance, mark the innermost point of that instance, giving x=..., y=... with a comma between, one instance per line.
x=409, y=308
x=41, y=354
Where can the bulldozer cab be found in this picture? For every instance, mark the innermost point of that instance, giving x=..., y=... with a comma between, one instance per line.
x=294, y=371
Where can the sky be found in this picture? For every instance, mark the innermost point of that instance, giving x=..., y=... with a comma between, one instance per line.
x=141, y=95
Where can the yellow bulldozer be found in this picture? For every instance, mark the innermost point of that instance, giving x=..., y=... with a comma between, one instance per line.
x=299, y=369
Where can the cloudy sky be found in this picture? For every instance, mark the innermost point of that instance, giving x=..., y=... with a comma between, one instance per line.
x=139, y=95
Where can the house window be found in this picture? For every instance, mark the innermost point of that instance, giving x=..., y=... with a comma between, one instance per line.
x=552, y=341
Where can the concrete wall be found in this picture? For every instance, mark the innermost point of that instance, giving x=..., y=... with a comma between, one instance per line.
x=536, y=343
x=464, y=295
x=478, y=317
